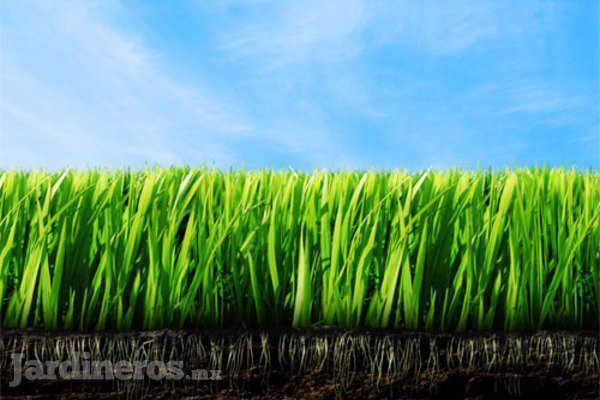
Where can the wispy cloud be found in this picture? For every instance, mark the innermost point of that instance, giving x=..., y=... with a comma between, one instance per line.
x=538, y=98
x=293, y=32
x=85, y=92
x=441, y=28
x=312, y=84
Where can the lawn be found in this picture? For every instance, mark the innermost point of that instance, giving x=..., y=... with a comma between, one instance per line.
x=513, y=249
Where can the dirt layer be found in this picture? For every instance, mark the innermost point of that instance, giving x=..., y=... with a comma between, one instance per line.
x=320, y=363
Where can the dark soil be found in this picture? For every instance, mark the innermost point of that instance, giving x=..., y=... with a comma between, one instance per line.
x=320, y=364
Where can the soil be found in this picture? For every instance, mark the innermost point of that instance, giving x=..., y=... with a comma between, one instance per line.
x=321, y=363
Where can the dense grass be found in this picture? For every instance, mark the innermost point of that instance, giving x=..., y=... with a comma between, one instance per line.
x=179, y=247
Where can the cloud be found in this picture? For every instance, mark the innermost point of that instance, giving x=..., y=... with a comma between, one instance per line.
x=264, y=82
x=293, y=32
x=442, y=28
x=538, y=98
x=76, y=90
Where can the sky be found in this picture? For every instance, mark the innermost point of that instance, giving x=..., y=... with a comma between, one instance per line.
x=311, y=84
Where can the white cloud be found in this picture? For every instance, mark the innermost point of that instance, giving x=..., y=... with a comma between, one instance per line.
x=76, y=90
x=292, y=32
x=299, y=32
x=320, y=83
x=539, y=97
x=442, y=28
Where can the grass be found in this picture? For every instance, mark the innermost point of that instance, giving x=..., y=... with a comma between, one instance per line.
x=516, y=249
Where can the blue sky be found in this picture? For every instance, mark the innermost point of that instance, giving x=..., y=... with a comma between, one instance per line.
x=307, y=84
